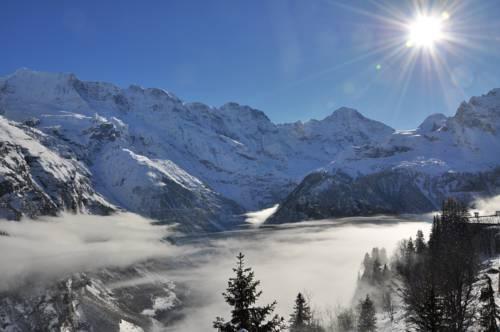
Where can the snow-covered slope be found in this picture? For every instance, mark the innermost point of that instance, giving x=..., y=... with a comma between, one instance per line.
x=411, y=171
x=36, y=180
x=151, y=153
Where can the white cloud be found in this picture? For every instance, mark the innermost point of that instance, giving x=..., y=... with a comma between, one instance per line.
x=487, y=206
x=37, y=250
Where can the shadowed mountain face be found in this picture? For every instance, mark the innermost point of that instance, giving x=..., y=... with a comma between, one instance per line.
x=146, y=151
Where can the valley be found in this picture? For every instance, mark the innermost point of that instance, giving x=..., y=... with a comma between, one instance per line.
x=181, y=289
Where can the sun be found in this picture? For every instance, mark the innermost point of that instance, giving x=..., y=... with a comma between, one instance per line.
x=425, y=31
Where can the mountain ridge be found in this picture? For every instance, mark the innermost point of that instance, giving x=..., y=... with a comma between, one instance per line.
x=240, y=159
x=149, y=152
x=412, y=172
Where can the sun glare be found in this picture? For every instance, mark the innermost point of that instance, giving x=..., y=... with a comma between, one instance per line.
x=425, y=31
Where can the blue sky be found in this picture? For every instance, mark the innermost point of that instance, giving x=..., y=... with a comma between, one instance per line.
x=295, y=60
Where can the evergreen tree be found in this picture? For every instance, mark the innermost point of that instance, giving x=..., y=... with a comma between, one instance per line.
x=367, y=267
x=376, y=272
x=410, y=247
x=420, y=243
x=242, y=294
x=456, y=263
x=367, y=320
x=301, y=317
x=489, y=311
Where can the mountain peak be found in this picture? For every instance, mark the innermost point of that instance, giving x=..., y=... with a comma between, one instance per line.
x=433, y=122
x=232, y=107
x=351, y=118
x=345, y=113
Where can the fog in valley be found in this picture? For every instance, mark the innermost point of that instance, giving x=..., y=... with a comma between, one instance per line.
x=320, y=259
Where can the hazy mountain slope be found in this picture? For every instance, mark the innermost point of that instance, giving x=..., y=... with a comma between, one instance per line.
x=412, y=171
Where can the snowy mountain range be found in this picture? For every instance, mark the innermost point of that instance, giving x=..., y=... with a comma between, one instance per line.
x=93, y=147
x=410, y=171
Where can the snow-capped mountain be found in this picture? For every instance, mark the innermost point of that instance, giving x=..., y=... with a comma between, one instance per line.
x=146, y=151
x=409, y=172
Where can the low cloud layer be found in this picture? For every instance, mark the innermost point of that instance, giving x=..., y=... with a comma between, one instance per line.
x=321, y=259
x=55, y=246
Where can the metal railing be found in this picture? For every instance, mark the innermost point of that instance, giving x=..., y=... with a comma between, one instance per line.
x=488, y=220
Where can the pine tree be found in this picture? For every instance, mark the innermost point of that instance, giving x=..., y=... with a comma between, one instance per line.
x=456, y=264
x=420, y=243
x=410, y=247
x=367, y=320
x=301, y=317
x=489, y=312
x=376, y=272
x=242, y=294
x=375, y=253
x=367, y=265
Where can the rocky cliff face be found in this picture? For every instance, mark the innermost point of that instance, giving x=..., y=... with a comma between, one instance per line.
x=36, y=180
